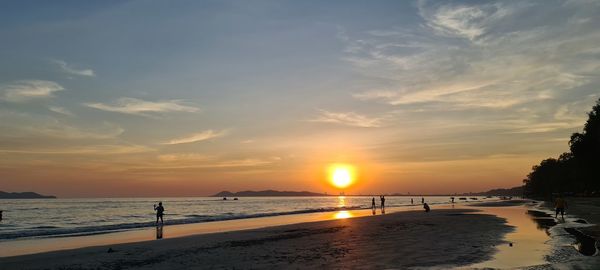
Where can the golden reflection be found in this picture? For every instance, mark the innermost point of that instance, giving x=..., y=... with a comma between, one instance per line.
x=341, y=201
x=342, y=215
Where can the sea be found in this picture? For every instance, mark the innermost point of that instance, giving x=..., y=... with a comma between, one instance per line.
x=43, y=218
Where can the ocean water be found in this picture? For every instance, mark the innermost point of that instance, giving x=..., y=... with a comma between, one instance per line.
x=69, y=217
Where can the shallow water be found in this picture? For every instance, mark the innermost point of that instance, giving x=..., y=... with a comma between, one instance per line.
x=37, y=245
x=68, y=217
x=529, y=240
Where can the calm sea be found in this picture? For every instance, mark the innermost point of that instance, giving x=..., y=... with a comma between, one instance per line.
x=69, y=217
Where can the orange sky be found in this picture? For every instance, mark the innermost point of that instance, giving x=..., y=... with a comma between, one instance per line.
x=419, y=96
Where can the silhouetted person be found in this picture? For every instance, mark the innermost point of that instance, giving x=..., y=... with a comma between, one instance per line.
x=411, y=201
x=159, y=212
x=426, y=207
x=382, y=198
x=452, y=198
x=0, y=215
x=422, y=200
x=159, y=231
x=373, y=206
x=560, y=205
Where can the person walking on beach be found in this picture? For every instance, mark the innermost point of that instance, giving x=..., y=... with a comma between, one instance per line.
x=159, y=212
x=426, y=207
x=560, y=204
x=373, y=206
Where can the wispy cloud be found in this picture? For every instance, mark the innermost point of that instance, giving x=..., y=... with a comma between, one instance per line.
x=467, y=21
x=60, y=110
x=347, y=119
x=89, y=150
x=183, y=157
x=22, y=91
x=202, y=136
x=193, y=160
x=140, y=107
x=67, y=68
x=500, y=60
x=64, y=131
x=46, y=127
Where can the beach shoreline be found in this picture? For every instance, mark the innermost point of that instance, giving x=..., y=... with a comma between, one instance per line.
x=503, y=234
x=402, y=239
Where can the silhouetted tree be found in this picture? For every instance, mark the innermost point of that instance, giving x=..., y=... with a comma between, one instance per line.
x=575, y=171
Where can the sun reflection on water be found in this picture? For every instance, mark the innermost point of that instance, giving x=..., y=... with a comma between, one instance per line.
x=342, y=215
x=341, y=201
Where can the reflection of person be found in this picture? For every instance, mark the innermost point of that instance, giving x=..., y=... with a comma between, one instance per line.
x=159, y=231
x=426, y=207
x=560, y=205
x=159, y=212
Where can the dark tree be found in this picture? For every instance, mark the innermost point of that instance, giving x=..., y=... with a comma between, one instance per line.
x=577, y=171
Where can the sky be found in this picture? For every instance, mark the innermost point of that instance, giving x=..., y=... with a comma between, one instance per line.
x=189, y=98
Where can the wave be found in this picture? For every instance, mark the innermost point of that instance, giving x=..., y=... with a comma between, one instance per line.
x=53, y=231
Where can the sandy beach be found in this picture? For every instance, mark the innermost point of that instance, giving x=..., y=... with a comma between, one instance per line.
x=441, y=238
x=516, y=234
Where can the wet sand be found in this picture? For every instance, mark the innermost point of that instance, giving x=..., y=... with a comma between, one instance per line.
x=39, y=245
x=517, y=234
x=576, y=238
x=441, y=239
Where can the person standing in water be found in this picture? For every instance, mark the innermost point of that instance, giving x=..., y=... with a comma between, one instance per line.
x=422, y=200
x=159, y=212
x=382, y=198
x=452, y=198
x=373, y=206
x=411, y=201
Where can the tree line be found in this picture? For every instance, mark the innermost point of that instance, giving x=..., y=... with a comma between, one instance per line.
x=574, y=172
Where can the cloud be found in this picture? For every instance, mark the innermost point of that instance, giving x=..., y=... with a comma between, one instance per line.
x=60, y=110
x=502, y=59
x=193, y=160
x=23, y=91
x=74, y=71
x=140, y=107
x=90, y=150
x=202, y=136
x=466, y=21
x=183, y=157
x=46, y=127
x=64, y=131
x=347, y=119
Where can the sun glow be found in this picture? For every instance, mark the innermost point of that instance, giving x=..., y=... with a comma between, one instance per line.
x=342, y=214
x=341, y=176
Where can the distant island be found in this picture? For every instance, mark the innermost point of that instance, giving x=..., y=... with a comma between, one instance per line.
x=266, y=193
x=515, y=191
x=24, y=195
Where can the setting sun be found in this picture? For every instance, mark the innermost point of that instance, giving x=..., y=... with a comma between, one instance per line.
x=341, y=175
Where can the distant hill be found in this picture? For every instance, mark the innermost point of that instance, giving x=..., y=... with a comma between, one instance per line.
x=516, y=191
x=266, y=193
x=23, y=195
